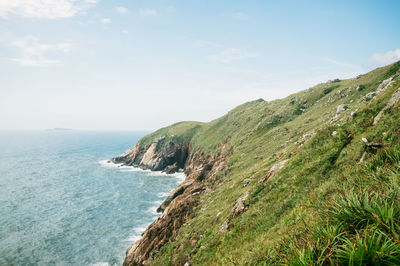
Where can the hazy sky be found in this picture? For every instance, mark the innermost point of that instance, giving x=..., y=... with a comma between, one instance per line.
x=132, y=65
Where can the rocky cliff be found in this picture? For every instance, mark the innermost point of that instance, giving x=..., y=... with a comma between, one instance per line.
x=161, y=155
x=169, y=156
x=262, y=180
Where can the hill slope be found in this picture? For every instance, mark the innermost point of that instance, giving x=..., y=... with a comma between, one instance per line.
x=309, y=179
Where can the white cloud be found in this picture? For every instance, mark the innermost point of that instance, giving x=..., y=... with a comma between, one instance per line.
x=382, y=59
x=125, y=31
x=106, y=21
x=147, y=12
x=43, y=9
x=240, y=16
x=33, y=52
x=231, y=54
x=122, y=10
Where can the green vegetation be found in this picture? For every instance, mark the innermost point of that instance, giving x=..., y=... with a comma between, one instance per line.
x=324, y=206
x=181, y=131
x=329, y=89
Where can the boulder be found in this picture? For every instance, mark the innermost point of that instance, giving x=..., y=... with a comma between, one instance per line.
x=239, y=207
x=246, y=182
x=341, y=108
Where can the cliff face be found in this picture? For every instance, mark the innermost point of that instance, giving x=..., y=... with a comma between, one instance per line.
x=160, y=155
x=168, y=156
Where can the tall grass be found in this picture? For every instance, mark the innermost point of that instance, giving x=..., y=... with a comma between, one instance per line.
x=362, y=230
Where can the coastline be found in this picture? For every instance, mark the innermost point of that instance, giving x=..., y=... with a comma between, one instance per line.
x=138, y=231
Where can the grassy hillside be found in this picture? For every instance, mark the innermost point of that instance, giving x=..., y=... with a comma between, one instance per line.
x=324, y=206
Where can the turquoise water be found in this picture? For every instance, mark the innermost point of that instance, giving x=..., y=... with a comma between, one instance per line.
x=61, y=203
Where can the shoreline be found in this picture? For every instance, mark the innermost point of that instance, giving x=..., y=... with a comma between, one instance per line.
x=137, y=231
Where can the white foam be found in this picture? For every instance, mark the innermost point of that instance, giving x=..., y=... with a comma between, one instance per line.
x=163, y=194
x=100, y=264
x=180, y=175
x=138, y=231
x=131, y=169
x=110, y=164
x=153, y=208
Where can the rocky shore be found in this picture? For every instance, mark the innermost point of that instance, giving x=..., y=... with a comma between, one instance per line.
x=170, y=156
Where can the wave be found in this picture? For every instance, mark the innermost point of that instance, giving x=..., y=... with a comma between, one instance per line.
x=153, y=208
x=100, y=264
x=180, y=175
x=138, y=231
x=110, y=164
x=163, y=194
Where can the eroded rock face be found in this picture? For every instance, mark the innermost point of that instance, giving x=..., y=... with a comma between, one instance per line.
x=132, y=156
x=180, y=203
x=161, y=155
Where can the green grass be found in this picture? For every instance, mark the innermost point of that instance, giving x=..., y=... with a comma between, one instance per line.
x=324, y=206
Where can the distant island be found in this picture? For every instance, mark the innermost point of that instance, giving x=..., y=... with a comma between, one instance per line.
x=59, y=129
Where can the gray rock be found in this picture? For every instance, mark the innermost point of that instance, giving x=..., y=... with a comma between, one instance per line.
x=384, y=85
x=217, y=217
x=273, y=170
x=369, y=96
x=246, y=182
x=170, y=169
x=392, y=101
x=224, y=227
x=341, y=108
x=239, y=206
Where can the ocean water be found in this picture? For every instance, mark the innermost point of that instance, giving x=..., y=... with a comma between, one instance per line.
x=61, y=203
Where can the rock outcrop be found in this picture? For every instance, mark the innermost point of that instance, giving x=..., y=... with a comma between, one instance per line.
x=160, y=155
x=392, y=101
x=341, y=108
x=198, y=167
x=237, y=209
x=274, y=169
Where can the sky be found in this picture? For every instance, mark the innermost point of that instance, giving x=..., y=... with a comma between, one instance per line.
x=142, y=65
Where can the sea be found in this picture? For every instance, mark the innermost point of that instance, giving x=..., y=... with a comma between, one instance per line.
x=63, y=203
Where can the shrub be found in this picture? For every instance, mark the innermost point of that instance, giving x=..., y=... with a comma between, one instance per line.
x=356, y=212
x=319, y=251
x=369, y=248
x=329, y=89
